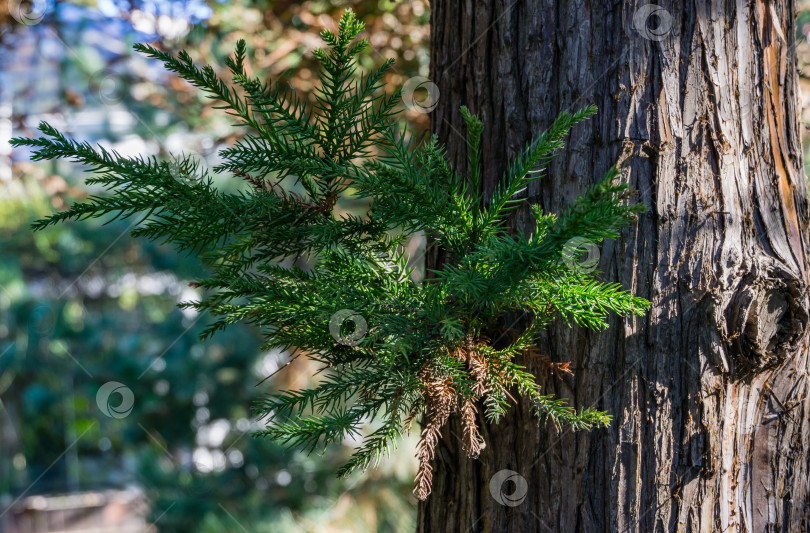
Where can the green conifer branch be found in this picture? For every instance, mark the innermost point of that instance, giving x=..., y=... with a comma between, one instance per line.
x=339, y=289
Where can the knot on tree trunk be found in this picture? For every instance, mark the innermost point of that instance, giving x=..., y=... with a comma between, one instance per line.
x=765, y=318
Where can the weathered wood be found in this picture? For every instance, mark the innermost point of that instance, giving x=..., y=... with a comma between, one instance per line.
x=709, y=392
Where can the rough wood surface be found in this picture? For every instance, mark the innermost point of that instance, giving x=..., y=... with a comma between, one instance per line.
x=709, y=392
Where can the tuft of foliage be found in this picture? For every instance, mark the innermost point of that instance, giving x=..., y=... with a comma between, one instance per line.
x=338, y=287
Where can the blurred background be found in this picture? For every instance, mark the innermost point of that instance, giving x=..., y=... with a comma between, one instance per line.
x=114, y=417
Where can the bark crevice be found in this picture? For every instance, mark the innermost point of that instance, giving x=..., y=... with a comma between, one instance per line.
x=710, y=392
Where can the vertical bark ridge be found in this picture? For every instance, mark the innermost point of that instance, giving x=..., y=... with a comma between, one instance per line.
x=709, y=392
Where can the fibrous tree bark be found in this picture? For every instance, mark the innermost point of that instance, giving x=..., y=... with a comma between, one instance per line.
x=709, y=393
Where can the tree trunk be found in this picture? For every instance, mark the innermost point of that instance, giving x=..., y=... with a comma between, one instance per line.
x=709, y=392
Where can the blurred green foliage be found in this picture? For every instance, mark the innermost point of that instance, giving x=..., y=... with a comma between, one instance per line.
x=83, y=304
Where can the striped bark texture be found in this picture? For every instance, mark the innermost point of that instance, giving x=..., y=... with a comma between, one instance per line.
x=699, y=102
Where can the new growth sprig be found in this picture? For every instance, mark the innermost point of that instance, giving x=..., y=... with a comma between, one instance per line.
x=339, y=287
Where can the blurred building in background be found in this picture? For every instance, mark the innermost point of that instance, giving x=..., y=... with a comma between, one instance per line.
x=122, y=511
